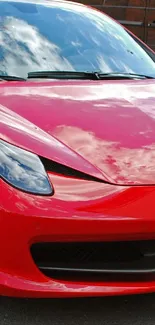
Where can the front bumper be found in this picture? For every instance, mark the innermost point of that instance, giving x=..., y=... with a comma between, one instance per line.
x=79, y=211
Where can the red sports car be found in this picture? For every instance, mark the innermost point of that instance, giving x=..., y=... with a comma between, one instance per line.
x=77, y=153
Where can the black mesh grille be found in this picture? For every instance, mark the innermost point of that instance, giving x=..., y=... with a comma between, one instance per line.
x=99, y=261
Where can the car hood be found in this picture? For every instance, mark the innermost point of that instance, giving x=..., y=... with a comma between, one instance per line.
x=102, y=128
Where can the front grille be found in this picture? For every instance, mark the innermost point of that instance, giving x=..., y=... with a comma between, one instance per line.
x=99, y=261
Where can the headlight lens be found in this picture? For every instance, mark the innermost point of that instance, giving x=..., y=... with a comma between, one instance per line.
x=23, y=170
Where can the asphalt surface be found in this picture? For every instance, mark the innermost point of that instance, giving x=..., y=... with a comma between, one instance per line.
x=133, y=310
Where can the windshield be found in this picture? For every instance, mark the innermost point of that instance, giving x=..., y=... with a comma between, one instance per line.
x=62, y=36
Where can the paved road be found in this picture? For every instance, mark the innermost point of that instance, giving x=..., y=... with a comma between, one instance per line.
x=138, y=310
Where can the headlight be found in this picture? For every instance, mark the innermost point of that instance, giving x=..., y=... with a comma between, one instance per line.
x=23, y=170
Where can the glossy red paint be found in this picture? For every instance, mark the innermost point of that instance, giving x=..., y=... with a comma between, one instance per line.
x=103, y=128
x=79, y=210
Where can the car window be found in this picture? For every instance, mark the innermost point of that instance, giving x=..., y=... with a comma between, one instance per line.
x=65, y=36
x=144, y=47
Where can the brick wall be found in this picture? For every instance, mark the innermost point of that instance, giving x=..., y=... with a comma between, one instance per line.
x=136, y=15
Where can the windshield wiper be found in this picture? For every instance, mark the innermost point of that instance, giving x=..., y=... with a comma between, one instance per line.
x=85, y=75
x=122, y=75
x=11, y=78
x=64, y=75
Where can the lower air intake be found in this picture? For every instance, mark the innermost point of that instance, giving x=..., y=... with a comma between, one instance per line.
x=92, y=261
